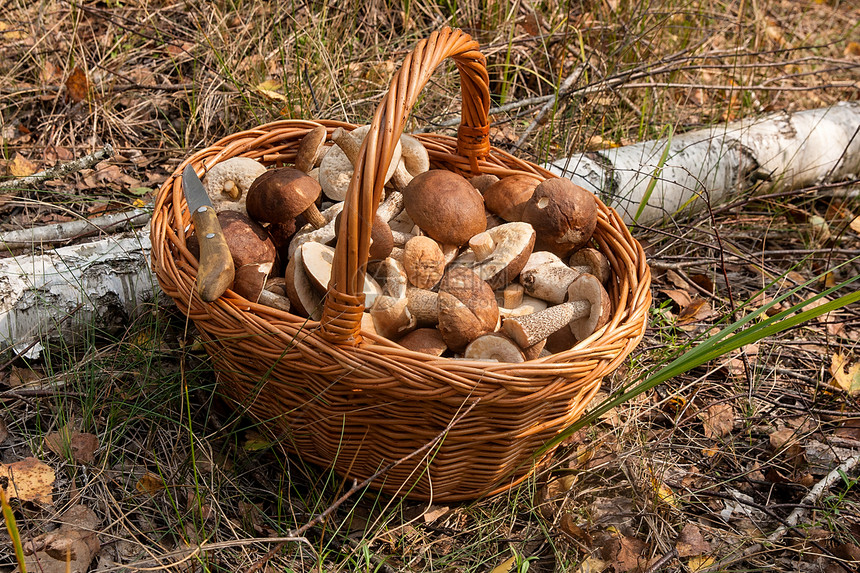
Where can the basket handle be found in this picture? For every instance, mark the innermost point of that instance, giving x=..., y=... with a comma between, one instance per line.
x=344, y=303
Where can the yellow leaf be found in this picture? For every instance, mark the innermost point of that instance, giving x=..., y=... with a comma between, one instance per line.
x=505, y=566
x=20, y=166
x=592, y=565
x=269, y=89
x=855, y=224
x=849, y=380
x=700, y=563
x=10, y=32
x=29, y=480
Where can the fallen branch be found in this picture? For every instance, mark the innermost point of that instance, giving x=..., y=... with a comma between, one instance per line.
x=663, y=178
x=563, y=90
x=61, y=232
x=59, y=171
x=108, y=279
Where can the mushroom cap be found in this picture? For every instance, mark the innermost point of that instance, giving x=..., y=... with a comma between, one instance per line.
x=467, y=308
x=483, y=181
x=391, y=317
x=250, y=280
x=381, y=239
x=424, y=340
x=587, y=287
x=423, y=261
x=445, y=206
x=248, y=241
x=279, y=195
x=595, y=260
x=304, y=300
x=508, y=196
x=414, y=155
x=311, y=149
x=237, y=171
x=494, y=346
x=563, y=214
x=513, y=247
x=336, y=169
x=317, y=260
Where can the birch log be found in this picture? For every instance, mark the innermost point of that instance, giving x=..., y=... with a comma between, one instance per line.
x=102, y=285
x=790, y=150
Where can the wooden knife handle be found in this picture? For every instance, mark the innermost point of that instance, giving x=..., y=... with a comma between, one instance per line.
x=215, y=273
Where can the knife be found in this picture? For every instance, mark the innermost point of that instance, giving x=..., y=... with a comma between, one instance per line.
x=215, y=272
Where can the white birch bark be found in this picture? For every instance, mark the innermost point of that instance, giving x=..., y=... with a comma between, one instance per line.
x=790, y=150
x=101, y=284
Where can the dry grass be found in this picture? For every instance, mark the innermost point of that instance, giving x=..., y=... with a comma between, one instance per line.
x=176, y=468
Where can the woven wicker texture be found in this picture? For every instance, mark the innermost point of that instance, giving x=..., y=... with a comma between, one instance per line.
x=356, y=402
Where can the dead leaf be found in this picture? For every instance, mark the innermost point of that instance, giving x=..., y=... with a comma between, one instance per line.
x=680, y=297
x=150, y=483
x=569, y=526
x=852, y=49
x=697, y=311
x=691, y=542
x=4, y=431
x=625, y=553
x=677, y=280
x=269, y=89
x=718, y=420
x=703, y=281
x=20, y=166
x=848, y=380
x=77, y=85
x=29, y=480
x=23, y=377
x=435, y=512
x=592, y=565
x=81, y=446
x=71, y=547
x=855, y=224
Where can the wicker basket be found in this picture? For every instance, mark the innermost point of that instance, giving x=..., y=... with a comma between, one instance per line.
x=347, y=399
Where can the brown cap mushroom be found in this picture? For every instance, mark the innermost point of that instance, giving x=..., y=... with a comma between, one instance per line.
x=483, y=181
x=563, y=214
x=304, y=300
x=587, y=310
x=494, y=346
x=279, y=195
x=509, y=246
x=424, y=340
x=467, y=308
x=508, y=196
x=423, y=261
x=381, y=238
x=445, y=206
x=311, y=149
x=592, y=261
x=317, y=260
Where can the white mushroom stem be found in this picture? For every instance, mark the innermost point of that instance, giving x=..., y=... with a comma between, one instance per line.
x=323, y=235
x=273, y=300
x=351, y=146
x=391, y=317
x=391, y=206
x=401, y=238
x=482, y=245
x=546, y=277
x=532, y=328
x=424, y=306
x=512, y=295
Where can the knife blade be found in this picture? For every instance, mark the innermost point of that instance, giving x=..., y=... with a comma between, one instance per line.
x=215, y=272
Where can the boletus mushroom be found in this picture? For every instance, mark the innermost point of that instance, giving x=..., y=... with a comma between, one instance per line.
x=588, y=309
x=445, y=206
x=467, y=308
x=563, y=214
x=279, y=195
x=499, y=254
x=508, y=196
x=227, y=182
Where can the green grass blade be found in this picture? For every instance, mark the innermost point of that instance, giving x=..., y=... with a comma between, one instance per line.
x=12, y=528
x=658, y=171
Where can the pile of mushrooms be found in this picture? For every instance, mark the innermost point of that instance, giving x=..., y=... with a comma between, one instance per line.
x=481, y=268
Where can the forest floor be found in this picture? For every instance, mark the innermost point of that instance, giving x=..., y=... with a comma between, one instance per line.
x=129, y=443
